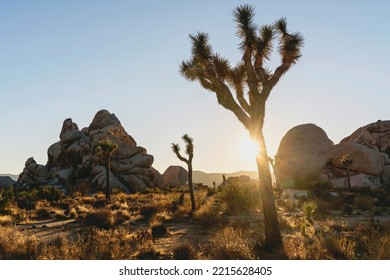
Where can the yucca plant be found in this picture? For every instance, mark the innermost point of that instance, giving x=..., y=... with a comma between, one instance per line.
x=245, y=88
x=190, y=152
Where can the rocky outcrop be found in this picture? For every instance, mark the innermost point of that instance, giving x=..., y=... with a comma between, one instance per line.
x=175, y=175
x=375, y=136
x=364, y=160
x=34, y=173
x=73, y=163
x=301, y=156
x=369, y=149
x=6, y=181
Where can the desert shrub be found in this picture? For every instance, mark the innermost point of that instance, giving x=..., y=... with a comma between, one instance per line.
x=7, y=198
x=159, y=230
x=49, y=193
x=89, y=200
x=27, y=199
x=15, y=246
x=244, y=198
x=99, y=203
x=148, y=211
x=6, y=221
x=101, y=218
x=347, y=209
x=121, y=216
x=210, y=213
x=364, y=202
x=341, y=247
x=321, y=188
x=184, y=251
x=231, y=244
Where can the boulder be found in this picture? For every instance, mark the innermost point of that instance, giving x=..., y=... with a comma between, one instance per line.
x=175, y=175
x=301, y=156
x=365, y=160
x=385, y=176
x=6, y=181
x=157, y=178
x=34, y=173
x=375, y=136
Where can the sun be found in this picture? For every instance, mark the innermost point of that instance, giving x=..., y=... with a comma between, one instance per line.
x=249, y=148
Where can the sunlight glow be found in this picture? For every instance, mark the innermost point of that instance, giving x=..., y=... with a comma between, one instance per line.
x=249, y=148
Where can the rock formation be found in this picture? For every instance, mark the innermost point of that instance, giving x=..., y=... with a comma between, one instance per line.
x=369, y=149
x=175, y=175
x=301, y=156
x=306, y=154
x=6, y=181
x=72, y=162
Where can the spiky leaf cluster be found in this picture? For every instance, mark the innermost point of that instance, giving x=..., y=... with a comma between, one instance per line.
x=244, y=87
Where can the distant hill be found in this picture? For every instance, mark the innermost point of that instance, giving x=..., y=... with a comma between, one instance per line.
x=209, y=178
x=12, y=176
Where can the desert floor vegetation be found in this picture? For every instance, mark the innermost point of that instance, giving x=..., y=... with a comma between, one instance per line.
x=160, y=224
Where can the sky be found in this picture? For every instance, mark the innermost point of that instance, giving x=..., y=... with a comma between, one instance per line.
x=69, y=59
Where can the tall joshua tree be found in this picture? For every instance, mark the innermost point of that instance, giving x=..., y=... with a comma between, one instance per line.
x=190, y=152
x=105, y=149
x=245, y=88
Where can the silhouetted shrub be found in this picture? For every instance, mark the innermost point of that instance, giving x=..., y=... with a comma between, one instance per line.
x=159, y=230
x=364, y=202
x=184, y=251
x=101, y=218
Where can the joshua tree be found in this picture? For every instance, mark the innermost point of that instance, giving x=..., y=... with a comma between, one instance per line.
x=190, y=152
x=105, y=149
x=347, y=162
x=245, y=88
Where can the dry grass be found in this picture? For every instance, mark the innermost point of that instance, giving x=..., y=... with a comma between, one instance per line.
x=231, y=243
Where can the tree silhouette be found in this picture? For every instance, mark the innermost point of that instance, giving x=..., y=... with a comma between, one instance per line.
x=251, y=82
x=347, y=162
x=105, y=149
x=190, y=152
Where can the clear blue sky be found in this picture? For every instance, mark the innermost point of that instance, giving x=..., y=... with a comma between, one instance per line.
x=61, y=59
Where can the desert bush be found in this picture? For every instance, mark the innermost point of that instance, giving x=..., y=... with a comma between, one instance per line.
x=148, y=211
x=49, y=193
x=159, y=230
x=231, y=244
x=184, y=251
x=101, y=218
x=121, y=216
x=244, y=198
x=15, y=246
x=210, y=213
x=364, y=202
x=6, y=221
x=7, y=198
x=99, y=203
x=347, y=209
x=27, y=199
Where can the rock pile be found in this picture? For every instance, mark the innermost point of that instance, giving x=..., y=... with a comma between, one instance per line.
x=73, y=164
x=306, y=154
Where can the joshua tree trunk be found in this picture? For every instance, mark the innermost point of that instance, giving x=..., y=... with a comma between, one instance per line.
x=273, y=239
x=191, y=187
x=348, y=179
x=108, y=181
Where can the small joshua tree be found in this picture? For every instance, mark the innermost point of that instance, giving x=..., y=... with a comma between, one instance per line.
x=190, y=152
x=105, y=149
x=347, y=162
